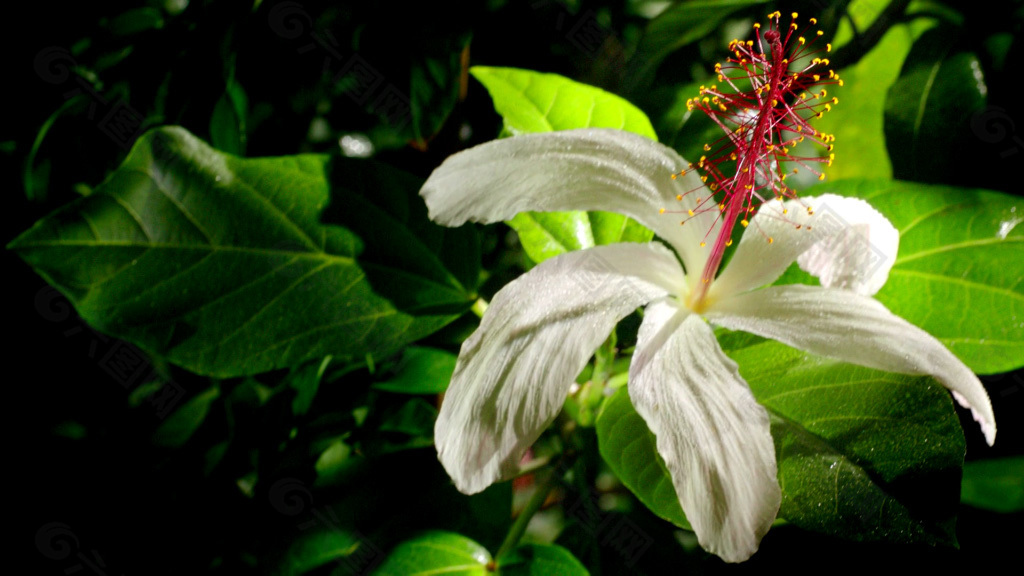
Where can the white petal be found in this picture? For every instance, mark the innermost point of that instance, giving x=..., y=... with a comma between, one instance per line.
x=590, y=169
x=712, y=434
x=515, y=370
x=857, y=329
x=845, y=243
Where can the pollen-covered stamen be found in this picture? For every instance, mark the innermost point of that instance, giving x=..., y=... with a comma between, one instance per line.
x=762, y=123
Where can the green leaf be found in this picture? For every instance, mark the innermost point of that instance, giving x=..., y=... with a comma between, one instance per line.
x=228, y=122
x=305, y=380
x=857, y=121
x=349, y=549
x=436, y=553
x=135, y=21
x=540, y=560
x=536, y=102
x=994, y=484
x=928, y=110
x=434, y=84
x=415, y=418
x=862, y=454
x=222, y=264
x=421, y=371
x=679, y=25
x=530, y=102
x=959, y=269
x=628, y=446
x=183, y=422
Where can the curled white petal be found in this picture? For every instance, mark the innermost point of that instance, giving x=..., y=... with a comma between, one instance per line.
x=858, y=329
x=713, y=436
x=515, y=370
x=842, y=241
x=588, y=169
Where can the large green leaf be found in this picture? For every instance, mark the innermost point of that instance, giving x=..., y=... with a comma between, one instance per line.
x=862, y=454
x=928, y=110
x=857, y=121
x=222, y=264
x=531, y=102
x=438, y=553
x=960, y=266
x=629, y=447
x=536, y=102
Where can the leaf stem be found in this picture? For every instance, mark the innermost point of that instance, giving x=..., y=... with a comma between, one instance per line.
x=536, y=501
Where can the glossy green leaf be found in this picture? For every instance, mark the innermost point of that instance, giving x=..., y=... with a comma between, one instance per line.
x=437, y=553
x=996, y=485
x=628, y=446
x=928, y=110
x=183, y=422
x=535, y=102
x=421, y=371
x=223, y=265
x=531, y=102
x=540, y=560
x=862, y=454
x=960, y=266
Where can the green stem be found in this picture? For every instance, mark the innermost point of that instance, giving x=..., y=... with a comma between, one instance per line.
x=540, y=495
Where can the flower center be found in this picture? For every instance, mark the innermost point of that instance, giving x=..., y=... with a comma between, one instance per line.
x=764, y=116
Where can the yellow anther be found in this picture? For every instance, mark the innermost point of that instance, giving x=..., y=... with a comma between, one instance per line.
x=840, y=82
x=816, y=77
x=795, y=15
x=813, y=20
x=721, y=207
x=822, y=176
x=828, y=47
x=774, y=102
x=820, y=33
x=757, y=25
x=704, y=178
x=825, y=61
x=770, y=239
x=793, y=26
x=679, y=197
x=810, y=211
x=662, y=211
x=745, y=222
x=703, y=244
x=801, y=39
x=673, y=176
x=707, y=147
x=690, y=212
x=728, y=242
